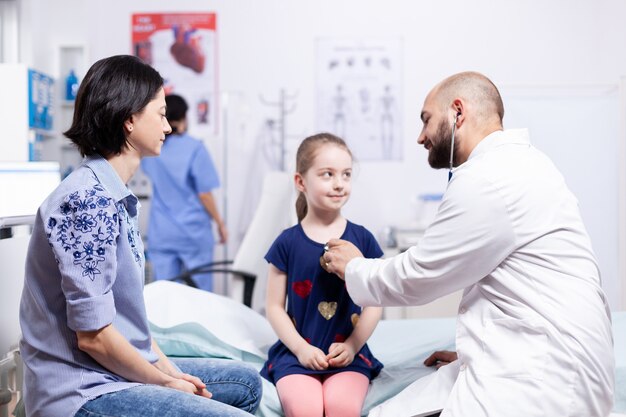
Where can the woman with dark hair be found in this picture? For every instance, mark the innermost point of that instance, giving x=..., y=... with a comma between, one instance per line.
x=86, y=342
x=183, y=208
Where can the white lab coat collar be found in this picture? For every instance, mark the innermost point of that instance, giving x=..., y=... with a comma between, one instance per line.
x=496, y=139
x=499, y=138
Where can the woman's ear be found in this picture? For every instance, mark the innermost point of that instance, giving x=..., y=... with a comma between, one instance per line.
x=299, y=181
x=128, y=125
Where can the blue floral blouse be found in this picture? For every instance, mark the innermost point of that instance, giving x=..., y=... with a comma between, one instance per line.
x=84, y=271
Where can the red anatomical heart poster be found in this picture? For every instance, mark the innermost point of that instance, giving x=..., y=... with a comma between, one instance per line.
x=183, y=48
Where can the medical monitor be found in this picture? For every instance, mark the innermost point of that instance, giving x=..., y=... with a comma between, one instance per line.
x=23, y=187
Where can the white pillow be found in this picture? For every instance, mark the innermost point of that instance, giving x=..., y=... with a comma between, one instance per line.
x=170, y=304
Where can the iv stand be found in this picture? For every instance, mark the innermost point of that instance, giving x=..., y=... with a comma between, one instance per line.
x=283, y=111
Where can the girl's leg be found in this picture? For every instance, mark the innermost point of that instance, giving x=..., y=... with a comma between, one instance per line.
x=231, y=382
x=344, y=393
x=301, y=395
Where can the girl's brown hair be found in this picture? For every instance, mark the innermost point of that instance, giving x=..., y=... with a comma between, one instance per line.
x=307, y=151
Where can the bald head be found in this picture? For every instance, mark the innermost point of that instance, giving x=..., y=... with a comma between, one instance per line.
x=475, y=89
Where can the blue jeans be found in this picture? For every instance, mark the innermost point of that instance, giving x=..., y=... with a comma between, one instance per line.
x=236, y=389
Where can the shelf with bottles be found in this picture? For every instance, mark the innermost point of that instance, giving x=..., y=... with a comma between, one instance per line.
x=72, y=68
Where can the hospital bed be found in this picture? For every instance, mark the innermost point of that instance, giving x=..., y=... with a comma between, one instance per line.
x=189, y=322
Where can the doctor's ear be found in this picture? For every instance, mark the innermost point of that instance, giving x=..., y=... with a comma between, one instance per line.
x=457, y=107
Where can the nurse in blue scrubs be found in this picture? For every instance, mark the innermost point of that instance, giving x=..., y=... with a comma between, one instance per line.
x=180, y=230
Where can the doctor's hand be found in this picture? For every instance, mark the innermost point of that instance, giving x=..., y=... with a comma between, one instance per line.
x=337, y=256
x=312, y=357
x=441, y=358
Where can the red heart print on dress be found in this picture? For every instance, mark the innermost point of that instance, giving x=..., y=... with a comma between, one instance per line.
x=302, y=288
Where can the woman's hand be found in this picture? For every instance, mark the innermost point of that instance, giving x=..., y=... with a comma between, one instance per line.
x=340, y=355
x=181, y=380
x=200, y=387
x=185, y=385
x=312, y=358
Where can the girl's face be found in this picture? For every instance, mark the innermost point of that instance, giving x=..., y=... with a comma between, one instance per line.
x=327, y=183
x=146, y=130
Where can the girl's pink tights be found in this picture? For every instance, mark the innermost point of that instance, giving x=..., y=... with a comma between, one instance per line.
x=338, y=395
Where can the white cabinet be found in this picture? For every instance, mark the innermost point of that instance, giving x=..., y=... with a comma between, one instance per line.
x=58, y=147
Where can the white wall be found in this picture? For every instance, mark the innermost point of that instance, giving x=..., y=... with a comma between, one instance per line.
x=268, y=45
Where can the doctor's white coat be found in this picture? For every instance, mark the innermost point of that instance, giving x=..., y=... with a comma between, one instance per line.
x=533, y=331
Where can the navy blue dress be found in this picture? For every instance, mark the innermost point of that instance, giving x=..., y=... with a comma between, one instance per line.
x=317, y=302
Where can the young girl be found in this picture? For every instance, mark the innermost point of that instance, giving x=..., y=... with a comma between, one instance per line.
x=321, y=364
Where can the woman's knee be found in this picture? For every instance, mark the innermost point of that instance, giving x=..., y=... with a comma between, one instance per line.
x=231, y=382
x=242, y=388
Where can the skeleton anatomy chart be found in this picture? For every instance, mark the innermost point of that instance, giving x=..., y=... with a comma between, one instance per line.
x=358, y=95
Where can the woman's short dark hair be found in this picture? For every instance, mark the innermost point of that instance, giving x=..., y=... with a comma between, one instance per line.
x=113, y=89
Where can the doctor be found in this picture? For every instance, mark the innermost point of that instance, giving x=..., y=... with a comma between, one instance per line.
x=533, y=331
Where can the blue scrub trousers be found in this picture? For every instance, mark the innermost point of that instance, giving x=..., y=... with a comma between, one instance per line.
x=236, y=389
x=168, y=264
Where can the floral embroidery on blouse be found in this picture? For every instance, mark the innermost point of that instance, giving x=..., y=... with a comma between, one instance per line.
x=132, y=234
x=86, y=229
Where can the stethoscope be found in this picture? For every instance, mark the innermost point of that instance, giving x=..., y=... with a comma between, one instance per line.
x=456, y=118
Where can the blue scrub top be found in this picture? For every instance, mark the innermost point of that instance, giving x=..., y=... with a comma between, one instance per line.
x=178, y=220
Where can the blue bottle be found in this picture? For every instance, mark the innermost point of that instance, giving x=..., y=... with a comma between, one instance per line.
x=71, y=86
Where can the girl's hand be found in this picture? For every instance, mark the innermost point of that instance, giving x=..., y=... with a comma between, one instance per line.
x=340, y=355
x=312, y=358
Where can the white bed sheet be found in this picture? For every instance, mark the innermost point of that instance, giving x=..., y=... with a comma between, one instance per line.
x=189, y=322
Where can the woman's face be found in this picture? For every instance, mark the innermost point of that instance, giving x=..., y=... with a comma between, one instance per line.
x=146, y=130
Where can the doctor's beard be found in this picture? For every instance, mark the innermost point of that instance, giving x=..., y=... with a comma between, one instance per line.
x=439, y=155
